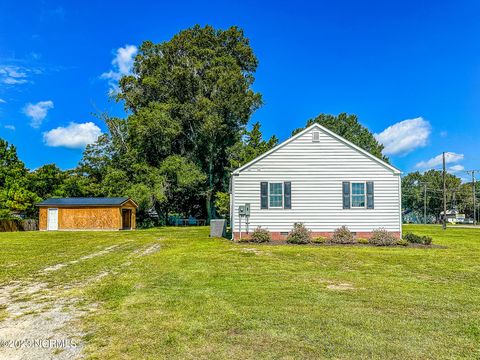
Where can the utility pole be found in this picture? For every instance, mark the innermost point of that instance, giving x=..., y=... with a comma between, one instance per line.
x=474, y=195
x=425, y=204
x=444, y=222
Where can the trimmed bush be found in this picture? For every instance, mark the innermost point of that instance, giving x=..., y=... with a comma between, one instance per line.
x=417, y=239
x=260, y=235
x=299, y=234
x=343, y=236
x=402, y=242
x=427, y=240
x=362, y=241
x=413, y=238
x=320, y=240
x=382, y=237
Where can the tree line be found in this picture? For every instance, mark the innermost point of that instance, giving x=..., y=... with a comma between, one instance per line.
x=423, y=193
x=188, y=105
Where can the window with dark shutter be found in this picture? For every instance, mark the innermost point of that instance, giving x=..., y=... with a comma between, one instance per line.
x=357, y=192
x=287, y=195
x=264, y=195
x=346, y=194
x=370, y=196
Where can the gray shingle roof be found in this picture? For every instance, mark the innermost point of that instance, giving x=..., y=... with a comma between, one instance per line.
x=93, y=201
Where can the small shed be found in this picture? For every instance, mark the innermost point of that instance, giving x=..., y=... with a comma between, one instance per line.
x=115, y=213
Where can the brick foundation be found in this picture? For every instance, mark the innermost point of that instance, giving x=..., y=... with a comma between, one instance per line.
x=277, y=236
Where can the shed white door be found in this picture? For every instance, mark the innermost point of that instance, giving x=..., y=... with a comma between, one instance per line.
x=52, y=219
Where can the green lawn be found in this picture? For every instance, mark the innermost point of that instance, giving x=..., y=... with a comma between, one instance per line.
x=197, y=297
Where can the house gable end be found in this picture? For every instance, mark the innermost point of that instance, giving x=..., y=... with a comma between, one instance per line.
x=307, y=135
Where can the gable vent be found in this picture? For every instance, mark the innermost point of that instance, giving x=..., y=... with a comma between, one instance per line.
x=316, y=136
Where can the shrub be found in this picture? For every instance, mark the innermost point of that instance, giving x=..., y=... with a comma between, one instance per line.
x=382, y=237
x=343, y=236
x=362, y=241
x=402, y=242
x=260, y=235
x=222, y=204
x=299, y=234
x=319, y=240
x=417, y=239
x=413, y=238
x=145, y=223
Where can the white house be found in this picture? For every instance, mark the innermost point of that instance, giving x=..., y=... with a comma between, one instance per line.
x=320, y=179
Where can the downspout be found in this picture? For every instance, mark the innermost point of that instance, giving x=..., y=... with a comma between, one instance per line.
x=400, y=205
x=232, y=204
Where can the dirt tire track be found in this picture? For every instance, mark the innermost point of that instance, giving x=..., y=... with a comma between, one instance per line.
x=37, y=311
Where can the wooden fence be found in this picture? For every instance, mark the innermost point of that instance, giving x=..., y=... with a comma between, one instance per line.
x=18, y=225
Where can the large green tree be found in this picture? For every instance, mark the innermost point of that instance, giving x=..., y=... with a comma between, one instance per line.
x=348, y=126
x=14, y=193
x=250, y=146
x=11, y=167
x=47, y=181
x=183, y=185
x=191, y=96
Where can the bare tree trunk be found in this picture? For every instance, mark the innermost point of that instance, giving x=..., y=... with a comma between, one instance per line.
x=209, y=206
x=209, y=198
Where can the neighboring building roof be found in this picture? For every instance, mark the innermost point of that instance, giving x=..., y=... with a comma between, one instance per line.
x=79, y=201
x=331, y=133
x=452, y=212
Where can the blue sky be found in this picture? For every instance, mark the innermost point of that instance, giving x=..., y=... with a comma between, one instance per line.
x=413, y=66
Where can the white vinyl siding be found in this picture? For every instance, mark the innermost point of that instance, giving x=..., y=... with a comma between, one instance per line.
x=317, y=171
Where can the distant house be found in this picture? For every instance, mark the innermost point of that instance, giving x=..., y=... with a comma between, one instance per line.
x=320, y=179
x=118, y=213
x=453, y=216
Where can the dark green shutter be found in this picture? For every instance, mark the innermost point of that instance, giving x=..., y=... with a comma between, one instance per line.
x=370, y=195
x=346, y=195
x=287, y=195
x=264, y=195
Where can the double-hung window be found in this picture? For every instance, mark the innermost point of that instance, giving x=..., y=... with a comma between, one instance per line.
x=275, y=195
x=358, y=195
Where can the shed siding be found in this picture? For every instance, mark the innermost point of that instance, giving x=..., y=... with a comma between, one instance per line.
x=89, y=218
x=84, y=218
x=316, y=171
x=42, y=218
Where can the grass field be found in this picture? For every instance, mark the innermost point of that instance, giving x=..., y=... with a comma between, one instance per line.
x=175, y=293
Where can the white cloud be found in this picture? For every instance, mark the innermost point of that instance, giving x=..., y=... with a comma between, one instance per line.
x=73, y=136
x=14, y=81
x=404, y=136
x=9, y=127
x=37, y=112
x=122, y=65
x=450, y=157
x=456, y=168
x=12, y=75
